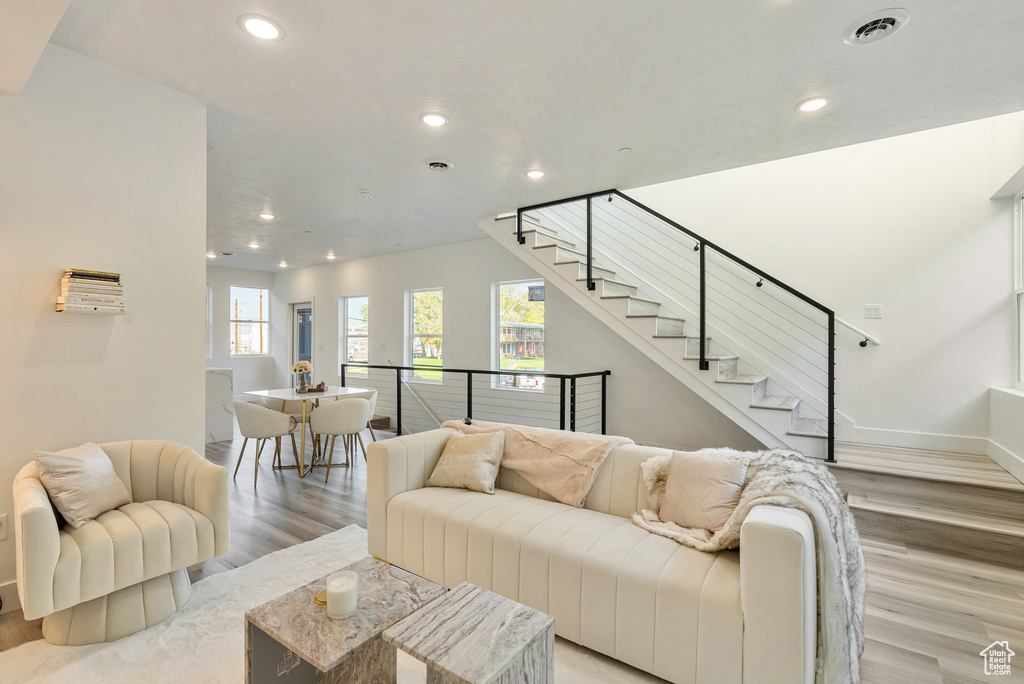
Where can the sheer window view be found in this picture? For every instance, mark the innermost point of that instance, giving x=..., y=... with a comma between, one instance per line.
x=426, y=333
x=250, y=320
x=521, y=333
x=357, y=331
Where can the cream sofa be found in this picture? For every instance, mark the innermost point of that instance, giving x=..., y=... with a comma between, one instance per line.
x=735, y=617
x=125, y=570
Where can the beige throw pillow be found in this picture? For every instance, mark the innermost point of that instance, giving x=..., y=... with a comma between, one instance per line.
x=702, y=492
x=469, y=462
x=81, y=482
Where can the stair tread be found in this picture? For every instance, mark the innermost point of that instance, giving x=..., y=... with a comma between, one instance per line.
x=808, y=427
x=776, y=403
x=969, y=469
x=608, y=280
x=625, y=296
x=664, y=318
x=674, y=337
x=740, y=378
x=947, y=517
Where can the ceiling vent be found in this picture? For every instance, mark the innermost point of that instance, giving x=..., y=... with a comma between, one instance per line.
x=438, y=165
x=875, y=27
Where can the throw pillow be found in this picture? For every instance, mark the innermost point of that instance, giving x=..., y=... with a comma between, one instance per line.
x=81, y=482
x=469, y=462
x=702, y=492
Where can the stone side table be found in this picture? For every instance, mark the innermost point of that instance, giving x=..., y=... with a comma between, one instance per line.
x=474, y=636
x=291, y=639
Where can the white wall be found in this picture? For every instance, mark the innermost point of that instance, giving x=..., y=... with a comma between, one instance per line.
x=98, y=169
x=644, y=403
x=905, y=222
x=1006, y=430
x=249, y=372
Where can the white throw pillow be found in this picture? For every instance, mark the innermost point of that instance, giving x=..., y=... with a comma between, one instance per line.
x=469, y=462
x=81, y=482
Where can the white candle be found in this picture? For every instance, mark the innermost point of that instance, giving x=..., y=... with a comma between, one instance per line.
x=342, y=594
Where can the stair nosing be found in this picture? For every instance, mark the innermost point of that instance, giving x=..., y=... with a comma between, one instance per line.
x=664, y=318
x=997, y=526
x=777, y=408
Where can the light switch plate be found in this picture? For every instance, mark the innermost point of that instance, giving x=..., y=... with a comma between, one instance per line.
x=3, y=527
x=872, y=311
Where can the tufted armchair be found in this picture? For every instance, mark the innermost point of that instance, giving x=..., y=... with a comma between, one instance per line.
x=125, y=571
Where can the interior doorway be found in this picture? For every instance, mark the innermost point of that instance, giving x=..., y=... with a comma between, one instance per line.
x=302, y=326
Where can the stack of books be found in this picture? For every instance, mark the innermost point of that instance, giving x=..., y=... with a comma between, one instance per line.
x=84, y=291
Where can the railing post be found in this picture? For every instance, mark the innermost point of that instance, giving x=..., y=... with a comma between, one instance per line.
x=469, y=395
x=572, y=404
x=831, y=388
x=704, y=364
x=590, y=250
x=604, y=404
x=343, y=368
x=519, y=227
x=398, y=400
x=561, y=404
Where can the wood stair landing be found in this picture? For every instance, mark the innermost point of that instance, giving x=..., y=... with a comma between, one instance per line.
x=961, y=504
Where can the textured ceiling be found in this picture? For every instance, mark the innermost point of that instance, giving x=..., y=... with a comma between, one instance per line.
x=302, y=125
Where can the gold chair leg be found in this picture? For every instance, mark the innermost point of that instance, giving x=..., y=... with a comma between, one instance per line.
x=295, y=450
x=260, y=443
x=331, y=458
x=371, y=431
x=361, y=445
x=276, y=463
x=244, y=442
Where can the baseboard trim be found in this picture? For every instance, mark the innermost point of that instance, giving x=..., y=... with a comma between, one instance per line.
x=9, y=594
x=956, y=444
x=1011, y=462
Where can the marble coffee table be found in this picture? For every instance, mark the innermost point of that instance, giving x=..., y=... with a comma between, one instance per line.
x=291, y=639
x=474, y=636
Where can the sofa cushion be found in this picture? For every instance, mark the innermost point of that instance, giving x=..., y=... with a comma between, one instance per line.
x=702, y=492
x=106, y=554
x=611, y=586
x=469, y=462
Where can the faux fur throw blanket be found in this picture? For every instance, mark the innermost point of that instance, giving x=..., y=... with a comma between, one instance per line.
x=562, y=464
x=786, y=478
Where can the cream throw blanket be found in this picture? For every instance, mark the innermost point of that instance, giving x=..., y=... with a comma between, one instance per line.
x=785, y=478
x=562, y=464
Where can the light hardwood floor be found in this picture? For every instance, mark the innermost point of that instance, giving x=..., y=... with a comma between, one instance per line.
x=927, y=614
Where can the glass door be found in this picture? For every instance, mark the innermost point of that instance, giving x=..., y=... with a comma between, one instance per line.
x=303, y=326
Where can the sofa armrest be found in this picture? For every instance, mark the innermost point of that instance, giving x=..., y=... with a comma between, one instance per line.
x=397, y=465
x=206, y=491
x=778, y=593
x=37, y=544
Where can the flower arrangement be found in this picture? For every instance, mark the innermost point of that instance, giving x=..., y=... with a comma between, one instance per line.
x=302, y=367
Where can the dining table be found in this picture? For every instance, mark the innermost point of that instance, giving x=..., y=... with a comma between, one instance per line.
x=287, y=394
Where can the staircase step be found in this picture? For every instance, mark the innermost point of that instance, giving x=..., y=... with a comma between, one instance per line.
x=776, y=403
x=809, y=427
x=982, y=537
x=541, y=240
x=615, y=285
x=741, y=379
x=937, y=466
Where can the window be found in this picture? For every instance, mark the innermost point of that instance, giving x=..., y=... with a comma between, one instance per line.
x=250, y=320
x=520, y=333
x=426, y=308
x=355, y=332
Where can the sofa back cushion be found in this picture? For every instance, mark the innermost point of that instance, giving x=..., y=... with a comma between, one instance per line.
x=617, y=489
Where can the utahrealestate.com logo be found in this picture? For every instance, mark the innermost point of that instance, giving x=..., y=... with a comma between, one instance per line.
x=997, y=658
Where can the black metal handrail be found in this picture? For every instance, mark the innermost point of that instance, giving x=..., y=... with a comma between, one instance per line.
x=469, y=373
x=702, y=245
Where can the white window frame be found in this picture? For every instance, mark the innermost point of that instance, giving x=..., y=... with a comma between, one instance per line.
x=410, y=331
x=343, y=335
x=232, y=320
x=496, y=332
x=1018, y=288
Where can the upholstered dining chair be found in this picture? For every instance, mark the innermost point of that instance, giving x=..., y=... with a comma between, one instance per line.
x=125, y=570
x=372, y=399
x=345, y=418
x=262, y=423
x=291, y=407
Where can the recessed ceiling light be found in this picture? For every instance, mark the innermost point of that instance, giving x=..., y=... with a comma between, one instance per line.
x=266, y=216
x=283, y=264
x=625, y=150
x=536, y=173
x=254, y=245
x=434, y=119
x=211, y=255
x=260, y=27
x=814, y=104
x=330, y=254
x=366, y=194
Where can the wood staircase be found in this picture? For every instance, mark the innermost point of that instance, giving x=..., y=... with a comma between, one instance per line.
x=961, y=504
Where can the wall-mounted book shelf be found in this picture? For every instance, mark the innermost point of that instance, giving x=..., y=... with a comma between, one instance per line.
x=90, y=292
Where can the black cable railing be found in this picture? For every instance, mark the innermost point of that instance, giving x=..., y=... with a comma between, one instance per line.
x=715, y=280
x=580, y=400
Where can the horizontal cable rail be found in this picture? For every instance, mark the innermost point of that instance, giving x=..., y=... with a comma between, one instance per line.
x=421, y=396
x=777, y=331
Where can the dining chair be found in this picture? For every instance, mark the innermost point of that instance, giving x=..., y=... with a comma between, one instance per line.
x=370, y=411
x=345, y=418
x=262, y=423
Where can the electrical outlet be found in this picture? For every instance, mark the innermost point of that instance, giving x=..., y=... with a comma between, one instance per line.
x=872, y=311
x=3, y=527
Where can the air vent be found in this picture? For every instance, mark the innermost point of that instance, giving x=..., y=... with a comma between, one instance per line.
x=875, y=27
x=228, y=253
x=438, y=165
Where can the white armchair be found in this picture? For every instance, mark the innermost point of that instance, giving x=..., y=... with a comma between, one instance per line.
x=346, y=418
x=262, y=423
x=124, y=571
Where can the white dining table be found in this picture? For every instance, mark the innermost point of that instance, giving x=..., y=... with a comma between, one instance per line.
x=292, y=394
